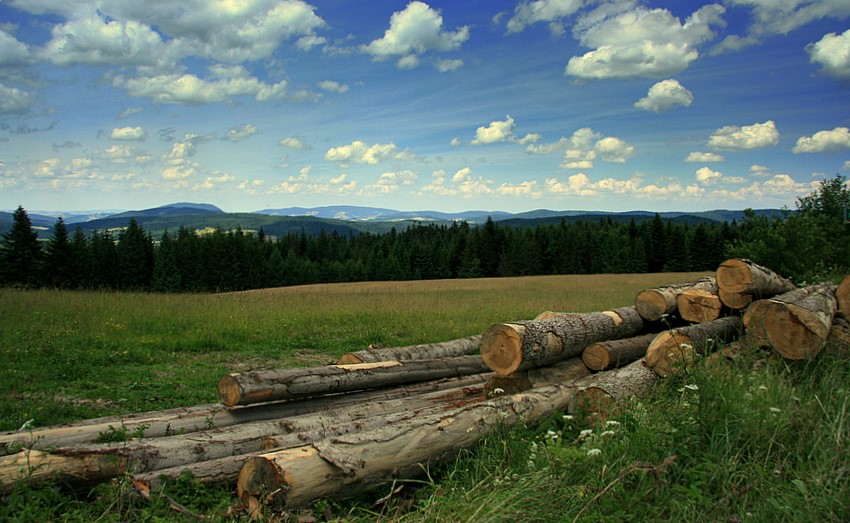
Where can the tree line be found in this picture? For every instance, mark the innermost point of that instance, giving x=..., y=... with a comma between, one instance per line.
x=810, y=242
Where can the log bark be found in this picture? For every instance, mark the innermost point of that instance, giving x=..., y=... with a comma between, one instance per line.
x=274, y=385
x=615, y=353
x=33, y=466
x=346, y=465
x=559, y=373
x=100, y=462
x=509, y=347
x=602, y=395
x=654, y=304
x=429, y=351
x=842, y=295
x=739, y=276
x=699, y=305
x=192, y=419
x=676, y=349
x=797, y=323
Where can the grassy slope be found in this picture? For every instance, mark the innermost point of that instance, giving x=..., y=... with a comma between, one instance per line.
x=737, y=445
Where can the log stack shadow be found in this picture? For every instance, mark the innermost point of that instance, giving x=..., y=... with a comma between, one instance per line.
x=286, y=437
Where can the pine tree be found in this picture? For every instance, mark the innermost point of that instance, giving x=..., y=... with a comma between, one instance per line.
x=58, y=264
x=20, y=252
x=135, y=257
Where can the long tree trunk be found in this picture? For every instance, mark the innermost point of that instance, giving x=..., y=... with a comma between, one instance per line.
x=429, y=351
x=739, y=276
x=560, y=372
x=192, y=419
x=509, y=347
x=348, y=464
x=606, y=355
x=699, y=305
x=676, y=349
x=654, y=304
x=100, y=462
x=602, y=395
x=795, y=324
x=273, y=385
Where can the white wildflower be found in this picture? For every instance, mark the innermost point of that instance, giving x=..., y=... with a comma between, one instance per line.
x=612, y=423
x=585, y=433
x=607, y=433
x=567, y=417
x=762, y=387
x=594, y=452
x=775, y=410
x=692, y=386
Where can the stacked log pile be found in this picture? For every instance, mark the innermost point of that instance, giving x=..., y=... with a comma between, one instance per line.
x=286, y=437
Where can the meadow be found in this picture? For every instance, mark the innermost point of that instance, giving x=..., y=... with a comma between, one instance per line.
x=728, y=445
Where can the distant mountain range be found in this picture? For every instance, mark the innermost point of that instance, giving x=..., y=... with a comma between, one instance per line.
x=342, y=219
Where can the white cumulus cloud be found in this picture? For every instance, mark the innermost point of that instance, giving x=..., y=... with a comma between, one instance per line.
x=360, y=152
x=732, y=138
x=414, y=31
x=332, y=87
x=665, y=95
x=703, y=157
x=550, y=11
x=835, y=140
x=294, y=142
x=832, y=53
x=128, y=133
x=497, y=131
x=641, y=42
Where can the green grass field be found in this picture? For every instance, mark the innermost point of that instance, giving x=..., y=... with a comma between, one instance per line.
x=736, y=445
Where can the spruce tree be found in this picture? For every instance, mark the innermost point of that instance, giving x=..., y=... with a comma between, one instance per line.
x=20, y=252
x=58, y=264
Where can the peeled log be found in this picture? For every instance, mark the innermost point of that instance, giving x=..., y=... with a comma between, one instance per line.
x=272, y=385
x=795, y=324
x=346, y=465
x=509, y=347
x=429, y=351
x=842, y=295
x=654, y=304
x=738, y=276
x=600, y=396
x=559, y=373
x=675, y=349
x=37, y=466
x=699, y=305
x=192, y=419
x=615, y=353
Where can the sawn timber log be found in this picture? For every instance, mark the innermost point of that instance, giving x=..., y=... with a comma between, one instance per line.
x=101, y=462
x=654, y=304
x=428, y=351
x=675, y=349
x=600, y=396
x=509, y=347
x=346, y=465
x=795, y=324
x=273, y=385
x=737, y=276
x=610, y=354
x=192, y=419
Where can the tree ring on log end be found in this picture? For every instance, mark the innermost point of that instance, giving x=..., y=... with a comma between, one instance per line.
x=260, y=478
x=792, y=338
x=651, y=305
x=501, y=348
x=229, y=390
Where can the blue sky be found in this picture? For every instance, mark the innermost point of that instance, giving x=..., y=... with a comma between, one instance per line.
x=449, y=106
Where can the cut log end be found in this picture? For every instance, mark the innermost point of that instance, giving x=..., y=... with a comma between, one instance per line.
x=261, y=483
x=651, y=304
x=842, y=295
x=669, y=353
x=793, y=338
x=229, y=391
x=501, y=348
x=596, y=357
x=349, y=359
x=734, y=276
x=699, y=306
